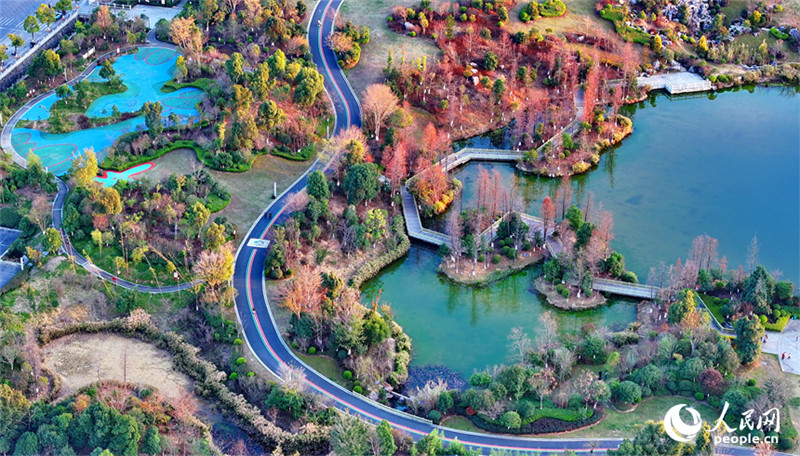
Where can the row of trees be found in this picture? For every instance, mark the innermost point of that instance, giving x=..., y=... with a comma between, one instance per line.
x=101, y=420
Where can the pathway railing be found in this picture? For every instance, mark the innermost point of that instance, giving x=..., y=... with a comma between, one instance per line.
x=714, y=320
x=634, y=290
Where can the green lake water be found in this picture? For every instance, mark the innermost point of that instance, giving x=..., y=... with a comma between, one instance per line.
x=724, y=164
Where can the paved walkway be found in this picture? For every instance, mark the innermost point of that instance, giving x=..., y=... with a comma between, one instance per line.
x=58, y=208
x=787, y=342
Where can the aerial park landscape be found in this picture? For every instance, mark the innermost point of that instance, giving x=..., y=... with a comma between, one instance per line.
x=357, y=228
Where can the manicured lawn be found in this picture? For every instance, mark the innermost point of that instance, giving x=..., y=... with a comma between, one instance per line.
x=203, y=84
x=373, y=13
x=325, y=365
x=712, y=305
x=617, y=424
x=461, y=423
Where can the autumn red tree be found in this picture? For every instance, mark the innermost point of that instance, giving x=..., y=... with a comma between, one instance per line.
x=395, y=162
x=590, y=92
x=431, y=185
x=305, y=293
x=548, y=214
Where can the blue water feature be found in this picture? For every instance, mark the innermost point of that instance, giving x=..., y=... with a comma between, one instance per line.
x=144, y=74
x=58, y=150
x=109, y=178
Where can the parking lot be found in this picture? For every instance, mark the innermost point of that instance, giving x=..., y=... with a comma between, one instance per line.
x=7, y=269
x=12, y=15
x=7, y=237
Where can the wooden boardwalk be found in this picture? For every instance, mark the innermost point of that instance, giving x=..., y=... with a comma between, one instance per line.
x=618, y=287
x=554, y=246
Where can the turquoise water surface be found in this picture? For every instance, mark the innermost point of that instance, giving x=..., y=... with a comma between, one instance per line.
x=726, y=166
x=144, y=74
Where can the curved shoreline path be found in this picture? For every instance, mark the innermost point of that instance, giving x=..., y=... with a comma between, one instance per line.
x=258, y=324
x=254, y=314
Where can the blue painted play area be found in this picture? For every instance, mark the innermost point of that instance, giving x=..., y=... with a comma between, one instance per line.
x=143, y=73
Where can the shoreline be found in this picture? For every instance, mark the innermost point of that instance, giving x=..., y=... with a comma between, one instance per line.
x=488, y=277
x=569, y=304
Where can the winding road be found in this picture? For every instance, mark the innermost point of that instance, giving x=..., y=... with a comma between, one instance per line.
x=259, y=326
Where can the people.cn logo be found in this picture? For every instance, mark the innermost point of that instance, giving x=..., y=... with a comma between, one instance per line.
x=678, y=429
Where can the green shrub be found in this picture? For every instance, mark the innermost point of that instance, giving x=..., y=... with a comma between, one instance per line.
x=233, y=376
x=347, y=375
x=785, y=444
x=358, y=389
x=552, y=8
x=374, y=266
x=9, y=217
x=778, y=34
x=237, y=342
x=496, y=259
x=312, y=350
x=284, y=152
x=751, y=382
x=435, y=416
x=699, y=396
x=240, y=361
x=629, y=276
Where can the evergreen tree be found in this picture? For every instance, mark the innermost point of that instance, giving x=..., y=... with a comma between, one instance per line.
x=318, y=186
x=386, y=439
x=749, y=332
x=151, y=444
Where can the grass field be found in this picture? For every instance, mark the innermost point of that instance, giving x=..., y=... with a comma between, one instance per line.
x=326, y=366
x=373, y=13
x=617, y=424
x=579, y=18
x=251, y=191
x=461, y=423
x=95, y=91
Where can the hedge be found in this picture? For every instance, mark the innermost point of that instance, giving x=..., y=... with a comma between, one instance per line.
x=549, y=420
x=139, y=159
x=778, y=34
x=305, y=153
x=552, y=8
x=778, y=325
x=209, y=381
x=374, y=266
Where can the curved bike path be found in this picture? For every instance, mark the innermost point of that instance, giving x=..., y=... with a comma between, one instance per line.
x=260, y=329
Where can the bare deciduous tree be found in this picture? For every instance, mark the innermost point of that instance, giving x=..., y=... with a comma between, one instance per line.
x=379, y=103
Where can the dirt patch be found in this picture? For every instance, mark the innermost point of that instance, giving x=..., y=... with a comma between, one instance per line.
x=572, y=302
x=83, y=359
x=474, y=273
